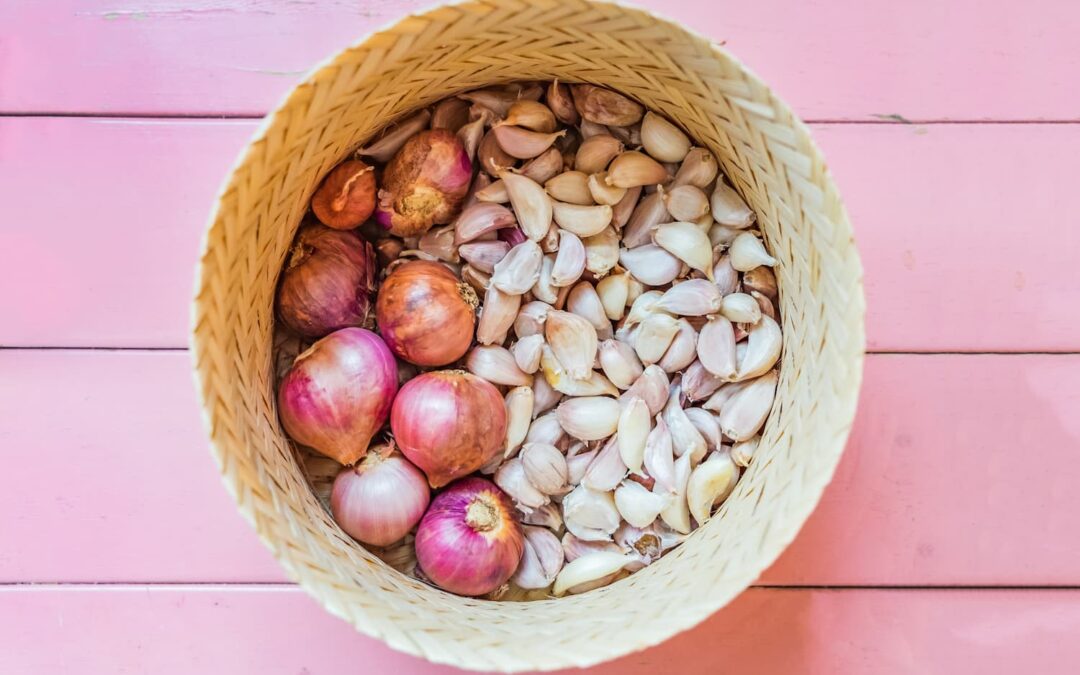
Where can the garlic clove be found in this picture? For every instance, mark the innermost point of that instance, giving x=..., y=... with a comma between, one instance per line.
x=706, y=425
x=721, y=236
x=544, y=289
x=725, y=276
x=604, y=106
x=383, y=149
x=603, y=193
x=607, y=469
x=589, y=514
x=729, y=209
x=587, y=570
x=594, y=384
x=523, y=143
x=650, y=264
x=620, y=363
x=763, y=346
x=484, y=255
x=694, y=297
x=659, y=457
x=634, y=169
x=621, y=212
x=545, y=397
x=761, y=279
x=596, y=152
x=569, y=262
x=545, y=429
x=613, y=291
x=573, y=342
x=764, y=303
x=651, y=387
x=698, y=383
x=472, y=136
x=544, y=166
x=531, y=205
x=646, y=215
x=497, y=316
x=549, y=515
x=683, y=349
x=527, y=352
x=450, y=113
x=743, y=451
x=574, y=548
x=663, y=140
x=698, y=168
x=497, y=99
x=677, y=514
x=743, y=415
x=519, y=269
x=657, y=332
x=688, y=243
x=561, y=103
x=480, y=281
x=570, y=187
x=519, y=412
x=601, y=252
x=438, y=242
x=637, y=505
x=724, y=394
x=479, y=219
x=644, y=305
x=589, y=418
x=541, y=560
x=578, y=463
x=716, y=348
x=685, y=437
x=635, y=423
x=511, y=478
x=585, y=302
x=644, y=544
x=740, y=308
x=545, y=467
x=629, y=135
x=531, y=115
x=496, y=365
x=687, y=203
x=584, y=221
x=710, y=484
x=530, y=319
x=747, y=253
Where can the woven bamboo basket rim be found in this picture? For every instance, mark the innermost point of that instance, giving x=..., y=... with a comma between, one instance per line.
x=764, y=151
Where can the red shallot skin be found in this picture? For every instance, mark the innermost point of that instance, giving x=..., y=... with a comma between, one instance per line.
x=381, y=499
x=449, y=423
x=426, y=314
x=469, y=542
x=327, y=282
x=346, y=197
x=424, y=184
x=338, y=393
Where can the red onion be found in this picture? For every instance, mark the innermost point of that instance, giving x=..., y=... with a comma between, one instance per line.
x=346, y=196
x=424, y=184
x=379, y=500
x=469, y=541
x=338, y=393
x=327, y=282
x=449, y=423
x=426, y=314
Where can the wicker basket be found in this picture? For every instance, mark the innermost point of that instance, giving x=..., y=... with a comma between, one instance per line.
x=762, y=148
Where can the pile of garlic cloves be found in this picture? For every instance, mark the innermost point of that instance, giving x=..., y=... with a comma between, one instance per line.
x=629, y=315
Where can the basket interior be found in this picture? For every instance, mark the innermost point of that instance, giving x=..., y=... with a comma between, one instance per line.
x=763, y=151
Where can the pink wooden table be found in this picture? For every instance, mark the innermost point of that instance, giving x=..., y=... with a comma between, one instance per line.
x=947, y=543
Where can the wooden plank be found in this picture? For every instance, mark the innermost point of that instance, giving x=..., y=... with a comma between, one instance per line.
x=960, y=255
x=952, y=460
x=173, y=631
x=848, y=59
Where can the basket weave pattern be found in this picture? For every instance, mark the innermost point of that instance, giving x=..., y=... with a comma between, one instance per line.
x=764, y=151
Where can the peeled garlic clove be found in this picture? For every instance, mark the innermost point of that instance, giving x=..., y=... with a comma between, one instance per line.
x=523, y=143
x=607, y=469
x=548, y=516
x=480, y=281
x=651, y=387
x=762, y=349
x=569, y=262
x=698, y=168
x=603, y=193
x=743, y=415
x=635, y=423
x=583, y=573
x=519, y=269
x=479, y=219
x=740, y=308
x=496, y=365
x=677, y=513
x=637, y=505
x=743, y=451
x=647, y=214
x=584, y=221
x=706, y=425
x=519, y=409
x=725, y=276
x=688, y=243
x=594, y=384
x=526, y=352
x=545, y=429
x=545, y=467
x=484, y=255
x=545, y=397
x=687, y=203
x=729, y=209
x=657, y=332
x=685, y=437
x=570, y=187
x=601, y=252
x=561, y=103
x=573, y=342
x=682, y=351
x=634, y=169
x=585, y=302
x=698, y=383
x=544, y=289
x=620, y=363
x=613, y=291
x=761, y=279
x=384, y=149
x=747, y=253
x=497, y=316
x=530, y=319
x=650, y=264
x=531, y=205
x=511, y=478
x=659, y=457
x=544, y=166
x=541, y=560
x=531, y=115
x=596, y=152
x=710, y=484
x=574, y=548
x=716, y=348
x=589, y=418
x=603, y=106
x=662, y=139
x=694, y=297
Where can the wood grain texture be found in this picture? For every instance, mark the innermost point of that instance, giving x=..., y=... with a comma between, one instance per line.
x=174, y=631
x=109, y=478
x=847, y=59
x=957, y=252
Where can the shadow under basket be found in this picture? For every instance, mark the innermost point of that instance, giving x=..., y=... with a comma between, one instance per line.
x=763, y=150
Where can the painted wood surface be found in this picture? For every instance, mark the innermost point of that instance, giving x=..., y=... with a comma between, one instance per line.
x=968, y=233
x=842, y=59
x=105, y=453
